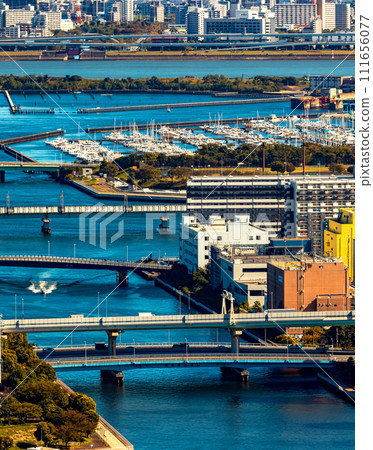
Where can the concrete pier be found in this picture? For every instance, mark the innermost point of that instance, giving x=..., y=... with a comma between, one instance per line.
x=122, y=278
x=112, y=342
x=2, y=176
x=235, y=340
x=112, y=376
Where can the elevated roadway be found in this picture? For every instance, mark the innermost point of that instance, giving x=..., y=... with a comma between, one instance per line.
x=267, y=319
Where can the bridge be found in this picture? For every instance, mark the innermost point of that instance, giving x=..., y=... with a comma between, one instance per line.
x=70, y=211
x=235, y=323
x=224, y=40
x=59, y=262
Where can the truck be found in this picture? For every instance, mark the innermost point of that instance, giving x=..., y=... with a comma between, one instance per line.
x=145, y=314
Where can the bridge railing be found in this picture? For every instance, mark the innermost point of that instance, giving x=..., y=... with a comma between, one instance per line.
x=191, y=357
x=80, y=322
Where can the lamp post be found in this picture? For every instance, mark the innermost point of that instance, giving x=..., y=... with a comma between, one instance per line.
x=23, y=309
x=74, y=250
x=134, y=351
x=186, y=348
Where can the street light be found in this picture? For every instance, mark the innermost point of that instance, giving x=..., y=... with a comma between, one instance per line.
x=74, y=250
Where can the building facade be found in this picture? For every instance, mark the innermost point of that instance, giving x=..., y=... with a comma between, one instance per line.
x=291, y=207
x=308, y=285
x=294, y=14
x=339, y=239
x=197, y=237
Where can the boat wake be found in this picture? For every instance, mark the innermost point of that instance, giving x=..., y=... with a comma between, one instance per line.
x=42, y=287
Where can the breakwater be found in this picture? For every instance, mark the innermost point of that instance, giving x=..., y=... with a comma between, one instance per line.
x=183, y=105
x=32, y=137
x=189, y=124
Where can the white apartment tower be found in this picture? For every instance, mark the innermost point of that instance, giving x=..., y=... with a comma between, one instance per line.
x=127, y=11
x=195, y=20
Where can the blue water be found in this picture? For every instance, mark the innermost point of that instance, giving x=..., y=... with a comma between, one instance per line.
x=165, y=408
x=166, y=68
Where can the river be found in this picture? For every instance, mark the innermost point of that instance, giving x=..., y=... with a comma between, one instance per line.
x=157, y=409
x=179, y=68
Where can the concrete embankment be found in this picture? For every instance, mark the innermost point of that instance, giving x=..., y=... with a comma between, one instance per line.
x=108, y=434
x=171, y=106
x=347, y=394
x=132, y=195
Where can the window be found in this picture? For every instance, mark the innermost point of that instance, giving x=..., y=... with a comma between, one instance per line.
x=206, y=238
x=220, y=238
x=258, y=238
x=251, y=238
x=206, y=256
x=321, y=267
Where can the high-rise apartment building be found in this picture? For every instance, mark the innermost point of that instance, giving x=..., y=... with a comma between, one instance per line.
x=157, y=12
x=127, y=11
x=286, y=206
x=195, y=20
x=327, y=12
x=294, y=14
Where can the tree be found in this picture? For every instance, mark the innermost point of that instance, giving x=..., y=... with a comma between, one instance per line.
x=81, y=402
x=289, y=167
x=277, y=166
x=38, y=391
x=110, y=169
x=340, y=168
x=75, y=427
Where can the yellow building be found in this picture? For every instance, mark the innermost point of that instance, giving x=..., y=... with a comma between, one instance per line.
x=339, y=238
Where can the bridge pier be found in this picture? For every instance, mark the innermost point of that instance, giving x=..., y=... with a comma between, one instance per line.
x=122, y=278
x=238, y=374
x=45, y=228
x=112, y=376
x=2, y=176
x=235, y=340
x=112, y=342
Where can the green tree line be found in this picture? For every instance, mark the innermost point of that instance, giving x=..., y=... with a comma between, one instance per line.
x=60, y=417
x=215, y=155
x=218, y=83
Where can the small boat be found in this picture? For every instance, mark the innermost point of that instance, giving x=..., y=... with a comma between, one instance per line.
x=168, y=109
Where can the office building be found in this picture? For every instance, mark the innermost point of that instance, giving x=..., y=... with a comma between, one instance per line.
x=339, y=238
x=309, y=284
x=238, y=26
x=197, y=236
x=343, y=16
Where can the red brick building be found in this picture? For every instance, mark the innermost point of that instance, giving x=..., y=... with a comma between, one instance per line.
x=308, y=285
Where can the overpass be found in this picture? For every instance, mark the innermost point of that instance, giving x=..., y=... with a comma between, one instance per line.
x=235, y=323
x=224, y=40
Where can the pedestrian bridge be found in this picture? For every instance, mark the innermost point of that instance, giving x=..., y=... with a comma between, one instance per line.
x=59, y=262
x=69, y=211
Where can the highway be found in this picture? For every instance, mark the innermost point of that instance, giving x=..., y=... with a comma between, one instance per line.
x=267, y=319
